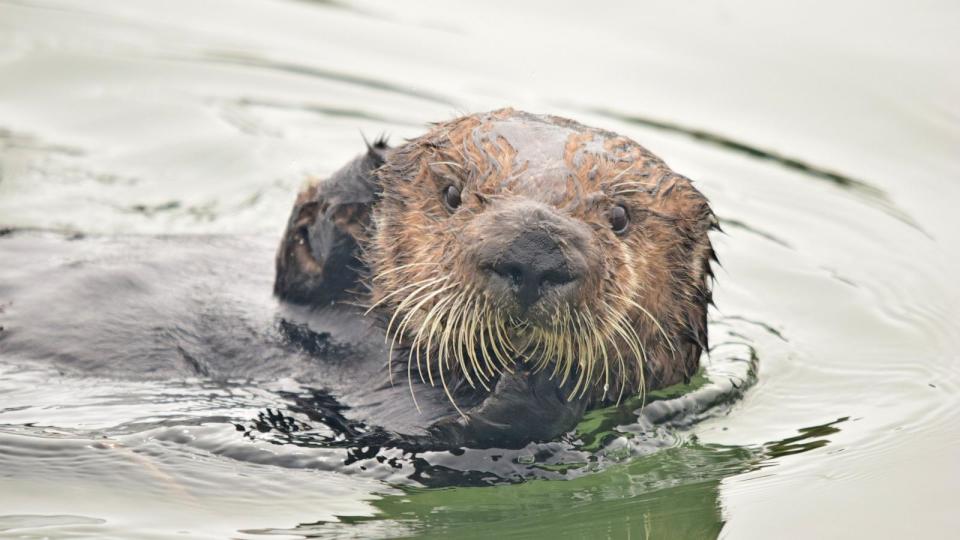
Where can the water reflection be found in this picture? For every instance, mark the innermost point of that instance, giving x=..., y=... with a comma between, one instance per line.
x=673, y=493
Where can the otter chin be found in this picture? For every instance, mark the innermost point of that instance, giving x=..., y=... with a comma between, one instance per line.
x=507, y=246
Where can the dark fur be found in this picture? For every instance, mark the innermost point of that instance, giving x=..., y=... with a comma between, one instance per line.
x=318, y=262
x=384, y=210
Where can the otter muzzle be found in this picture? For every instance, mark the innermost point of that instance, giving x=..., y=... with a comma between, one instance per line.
x=531, y=267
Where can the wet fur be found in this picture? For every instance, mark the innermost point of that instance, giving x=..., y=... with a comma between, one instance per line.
x=379, y=225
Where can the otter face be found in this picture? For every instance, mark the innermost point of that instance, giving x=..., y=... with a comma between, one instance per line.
x=507, y=240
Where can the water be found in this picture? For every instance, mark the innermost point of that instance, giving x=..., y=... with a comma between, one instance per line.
x=826, y=135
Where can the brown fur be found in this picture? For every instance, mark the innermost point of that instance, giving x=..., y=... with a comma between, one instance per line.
x=654, y=278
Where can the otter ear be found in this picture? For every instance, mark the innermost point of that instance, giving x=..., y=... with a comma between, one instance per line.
x=319, y=261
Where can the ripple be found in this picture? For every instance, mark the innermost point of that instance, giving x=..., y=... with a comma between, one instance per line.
x=867, y=190
x=35, y=521
x=327, y=110
x=266, y=425
x=10, y=140
x=248, y=60
x=827, y=276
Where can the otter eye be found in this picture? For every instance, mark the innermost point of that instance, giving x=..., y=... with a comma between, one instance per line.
x=451, y=197
x=619, y=219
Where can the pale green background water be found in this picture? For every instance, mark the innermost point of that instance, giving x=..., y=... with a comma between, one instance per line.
x=827, y=135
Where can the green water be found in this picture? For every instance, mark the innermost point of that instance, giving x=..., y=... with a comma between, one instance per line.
x=826, y=135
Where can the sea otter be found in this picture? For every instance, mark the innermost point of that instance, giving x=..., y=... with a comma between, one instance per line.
x=512, y=260
x=481, y=285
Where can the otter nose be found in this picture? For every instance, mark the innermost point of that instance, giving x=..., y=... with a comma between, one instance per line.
x=531, y=266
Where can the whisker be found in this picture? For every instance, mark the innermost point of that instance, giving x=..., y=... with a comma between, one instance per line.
x=404, y=267
x=618, y=324
x=573, y=343
x=430, y=322
x=400, y=290
x=623, y=172
x=471, y=333
x=538, y=356
x=561, y=340
x=497, y=341
x=410, y=385
x=601, y=340
x=453, y=317
x=407, y=299
x=395, y=338
x=638, y=342
x=480, y=317
x=406, y=320
x=586, y=357
x=655, y=322
x=402, y=327
x=503, y=341
x=446, y=389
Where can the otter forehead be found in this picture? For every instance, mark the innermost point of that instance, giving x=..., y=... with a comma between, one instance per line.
x=546, y=156
x=540, y=147
x=499, y=155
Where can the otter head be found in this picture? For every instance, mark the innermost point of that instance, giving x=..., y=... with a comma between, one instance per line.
x=508, y=241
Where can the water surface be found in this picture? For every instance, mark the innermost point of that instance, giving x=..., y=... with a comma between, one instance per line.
x=825, y=134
